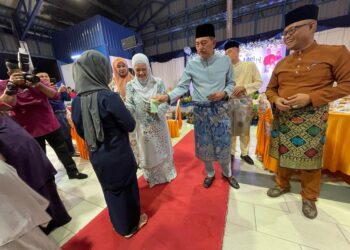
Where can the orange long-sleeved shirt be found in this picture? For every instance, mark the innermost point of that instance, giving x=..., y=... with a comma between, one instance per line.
x=312, y=71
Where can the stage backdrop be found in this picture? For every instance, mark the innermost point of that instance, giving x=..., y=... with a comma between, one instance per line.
x=265, y=54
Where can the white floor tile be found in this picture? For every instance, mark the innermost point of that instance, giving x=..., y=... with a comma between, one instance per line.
x=240, y=165
x=307, y=248
x=81, y=215
x=346, y=232
x=90, y=191
x=257, y=195
x=60, y=174
x=59, y=234
x=243, y=238
x=67, y=184
x=69, y=201
x=241, y=214
x=296, y=228
x=328, y=211
x=339, y=211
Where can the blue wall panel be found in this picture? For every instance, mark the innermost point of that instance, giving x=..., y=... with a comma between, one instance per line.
x=76, y=39
x=113, y=33
x=97, y=33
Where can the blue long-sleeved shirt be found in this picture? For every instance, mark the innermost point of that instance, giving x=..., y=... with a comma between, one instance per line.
x=58, y=105
x=208, y=76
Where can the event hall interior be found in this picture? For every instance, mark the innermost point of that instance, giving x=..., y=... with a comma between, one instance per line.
x=119, y=122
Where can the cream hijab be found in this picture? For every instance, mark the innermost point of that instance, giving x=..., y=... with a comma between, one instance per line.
x=147, y=88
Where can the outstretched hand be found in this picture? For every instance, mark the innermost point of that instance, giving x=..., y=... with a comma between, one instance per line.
x=161, y=98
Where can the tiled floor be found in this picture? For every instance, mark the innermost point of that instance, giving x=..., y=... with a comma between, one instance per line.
x=254, y=221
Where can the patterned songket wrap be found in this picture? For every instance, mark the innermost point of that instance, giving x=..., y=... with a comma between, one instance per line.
x=298, y=136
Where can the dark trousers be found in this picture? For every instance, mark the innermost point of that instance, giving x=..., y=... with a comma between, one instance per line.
x=62, y=118
x=56, y=208
x=57, y=141
x=124, y=208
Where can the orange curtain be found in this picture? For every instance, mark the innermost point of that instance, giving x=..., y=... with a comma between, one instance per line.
x=336, y=155
x=262, y=135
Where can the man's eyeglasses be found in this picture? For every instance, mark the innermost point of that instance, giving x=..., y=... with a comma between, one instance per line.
x=292, y=30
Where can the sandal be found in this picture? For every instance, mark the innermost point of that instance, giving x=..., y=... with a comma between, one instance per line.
x=143, y=220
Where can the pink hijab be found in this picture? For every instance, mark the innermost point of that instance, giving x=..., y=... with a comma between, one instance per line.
x=121, y=82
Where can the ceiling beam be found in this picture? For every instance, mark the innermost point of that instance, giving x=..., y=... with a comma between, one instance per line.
x=59, y=24
x=143, y=9
x=162, y=7
x=108, y=9
x=24, y=22
x=67, y=10
x=217, y=18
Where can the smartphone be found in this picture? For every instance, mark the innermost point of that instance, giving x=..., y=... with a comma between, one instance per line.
x=4, y=106
x=53, y=80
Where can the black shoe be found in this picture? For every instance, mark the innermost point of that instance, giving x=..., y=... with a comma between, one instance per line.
x=77, y=175
x=247, y=159
x=54, y=225
x=208, y=181
x=232, y=181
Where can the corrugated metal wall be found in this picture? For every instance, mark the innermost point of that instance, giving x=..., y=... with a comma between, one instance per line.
x=334, y=9
x=9, y=44
x=40, y=51
x=95, y=33
x=113, y=33
x=78, y=38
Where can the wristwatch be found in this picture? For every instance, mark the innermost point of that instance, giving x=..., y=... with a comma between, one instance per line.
x=11, y=89
x=225, y=96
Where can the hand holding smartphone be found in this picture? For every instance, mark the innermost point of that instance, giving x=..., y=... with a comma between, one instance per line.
x=4, y=106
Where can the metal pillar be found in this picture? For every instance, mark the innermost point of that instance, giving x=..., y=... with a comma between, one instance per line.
x=229, y=18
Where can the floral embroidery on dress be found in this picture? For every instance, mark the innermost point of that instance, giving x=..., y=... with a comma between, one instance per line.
x=152, y=136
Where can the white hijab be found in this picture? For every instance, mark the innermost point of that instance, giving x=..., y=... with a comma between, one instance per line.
x=146, y=88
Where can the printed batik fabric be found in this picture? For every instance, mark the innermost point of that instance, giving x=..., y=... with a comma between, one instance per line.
x=212, y=127
x=298, y=137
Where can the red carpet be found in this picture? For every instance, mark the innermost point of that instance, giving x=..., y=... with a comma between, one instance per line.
x=182, y=214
